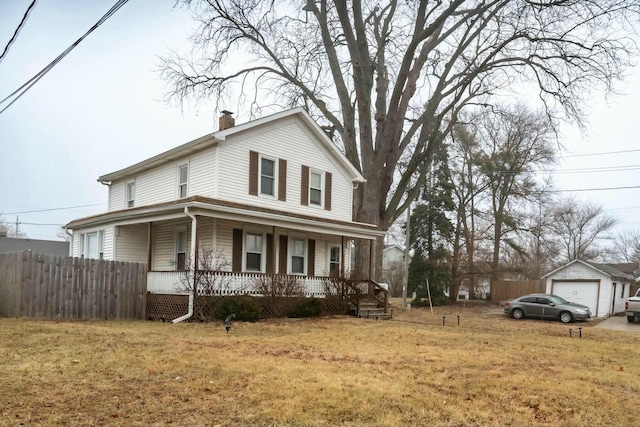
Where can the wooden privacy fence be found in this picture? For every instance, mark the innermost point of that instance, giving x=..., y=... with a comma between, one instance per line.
x=502, y=290
x=55, y=287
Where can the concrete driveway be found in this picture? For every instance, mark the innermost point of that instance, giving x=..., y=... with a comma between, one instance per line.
x=619, y=323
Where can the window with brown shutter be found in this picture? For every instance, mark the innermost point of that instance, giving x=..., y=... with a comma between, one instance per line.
x=304, y=190
x=282, y=180
x=253, y=173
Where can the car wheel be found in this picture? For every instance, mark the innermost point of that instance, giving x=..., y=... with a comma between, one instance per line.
x=517, y=313
x=631, y=319
x=566, y=317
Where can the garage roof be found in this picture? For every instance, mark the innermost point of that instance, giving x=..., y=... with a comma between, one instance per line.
x=607, y=269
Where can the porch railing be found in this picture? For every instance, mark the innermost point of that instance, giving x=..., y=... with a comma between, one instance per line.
x=228, y=283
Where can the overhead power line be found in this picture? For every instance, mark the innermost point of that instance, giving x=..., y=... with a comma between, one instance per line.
x=15, y=33
x=52, y=209
x=590, y=189
x=601, y=154
x=33, y=80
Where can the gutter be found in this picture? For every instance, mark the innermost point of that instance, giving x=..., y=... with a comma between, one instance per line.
x=194, y=224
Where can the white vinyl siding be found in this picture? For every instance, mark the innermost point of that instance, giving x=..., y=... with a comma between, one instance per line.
x=164, y=238
x=117, y=196
x=202, y=173
x=131, y=243
x=160, y=184
x=276, y=141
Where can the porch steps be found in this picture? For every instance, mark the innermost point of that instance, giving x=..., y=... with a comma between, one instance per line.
x=369, y=309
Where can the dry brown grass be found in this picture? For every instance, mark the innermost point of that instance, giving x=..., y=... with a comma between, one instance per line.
x=490, y=370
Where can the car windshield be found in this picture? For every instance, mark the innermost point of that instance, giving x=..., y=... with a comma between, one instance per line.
x=558, y=300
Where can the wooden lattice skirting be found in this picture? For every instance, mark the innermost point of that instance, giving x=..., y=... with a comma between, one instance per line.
x=167, y=307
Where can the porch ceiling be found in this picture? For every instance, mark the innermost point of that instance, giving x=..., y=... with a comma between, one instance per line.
x=216, y=208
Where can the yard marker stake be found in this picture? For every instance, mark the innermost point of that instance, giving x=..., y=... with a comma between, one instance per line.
x=443, y=317
x=570, y=331
x=458, y=320
x=580, y=331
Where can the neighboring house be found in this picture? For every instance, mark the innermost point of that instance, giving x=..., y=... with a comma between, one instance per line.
x=600, y=287
x=273, y=196
x=392, y=256
x=51, y=247
x=393, y=268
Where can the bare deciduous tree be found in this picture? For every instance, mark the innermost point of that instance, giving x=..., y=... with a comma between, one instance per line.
x=625, y=246
x=390, y=78
x=579, y=226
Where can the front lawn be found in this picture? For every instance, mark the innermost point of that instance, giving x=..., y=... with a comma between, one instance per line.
x=489, y=370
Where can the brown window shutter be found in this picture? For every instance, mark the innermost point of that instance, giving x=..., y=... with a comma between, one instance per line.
x=236, y=264
x=304, y=190
x=253, y=173
x=327, y=191
x=282, y=180
x=311, y=259
x=284, y=243
x=271, y=261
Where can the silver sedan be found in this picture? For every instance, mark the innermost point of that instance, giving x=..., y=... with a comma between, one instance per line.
x=546, y=306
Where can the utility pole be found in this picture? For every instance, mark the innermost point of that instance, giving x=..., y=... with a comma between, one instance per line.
x=406, y=259
x=17, y=225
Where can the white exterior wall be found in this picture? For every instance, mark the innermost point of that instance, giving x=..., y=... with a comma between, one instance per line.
x=131, y=243
x=164, y=243
x=618, y=300
x=579, y=271
x=108, y=243
x=160, y=184
x=202, y=174
x=117, y=196
x=286, y=140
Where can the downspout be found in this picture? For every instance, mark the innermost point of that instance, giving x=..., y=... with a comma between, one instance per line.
x=194, y=224
x=66, y=230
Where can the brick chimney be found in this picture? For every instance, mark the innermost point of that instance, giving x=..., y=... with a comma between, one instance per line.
x=226, y=120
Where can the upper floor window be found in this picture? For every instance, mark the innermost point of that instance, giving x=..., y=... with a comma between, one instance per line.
x=131, y=194
x=298, y=256
x=253, y=252
x=183, y=176
x=267, y=176
x=315, y=188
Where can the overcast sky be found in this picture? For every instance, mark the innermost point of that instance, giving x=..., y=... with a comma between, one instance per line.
x=100, y=110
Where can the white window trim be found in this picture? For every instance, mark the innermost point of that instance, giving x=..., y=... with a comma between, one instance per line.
x=81, y=239
x=100, y=244
x=275, y=176
x=127, y=199
x=175, y=246
x=290, y=254
x=186, y=184
x=330, y=246
x=322, y=189
x=263, y=257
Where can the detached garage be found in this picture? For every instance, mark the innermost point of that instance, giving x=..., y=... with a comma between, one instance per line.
x=600, y=287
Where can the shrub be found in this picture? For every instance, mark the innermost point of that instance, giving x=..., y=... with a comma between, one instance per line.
x=312, y=307
x=245, y=307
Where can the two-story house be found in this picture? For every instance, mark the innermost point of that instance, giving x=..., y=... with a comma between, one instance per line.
x=272, y=196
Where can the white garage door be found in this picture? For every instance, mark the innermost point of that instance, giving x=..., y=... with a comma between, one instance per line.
x=585, y=293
